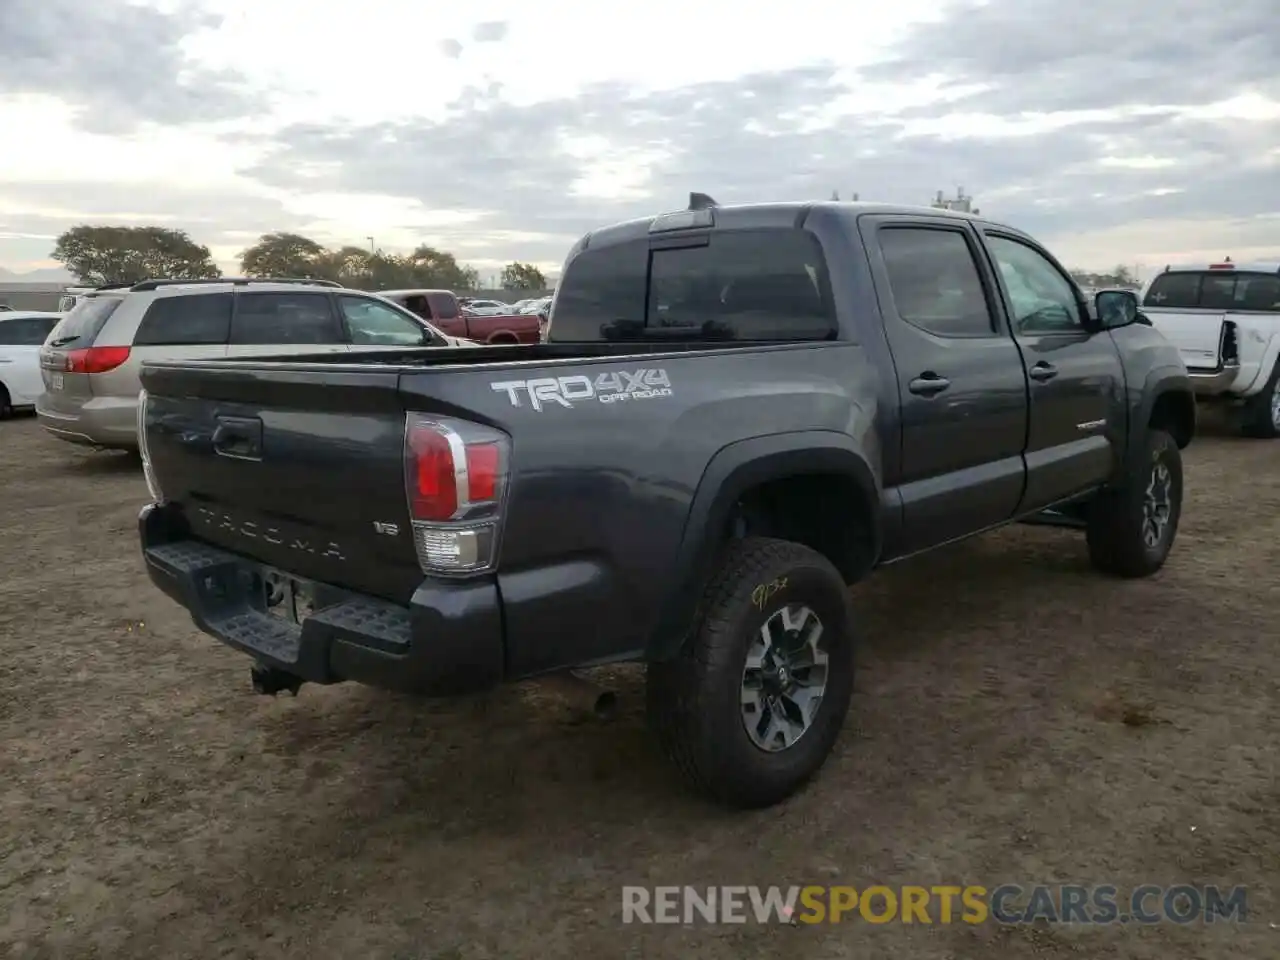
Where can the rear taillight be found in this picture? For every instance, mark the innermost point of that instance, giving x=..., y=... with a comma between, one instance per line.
x=456, y=485
x=96, y=359
x=153, y=486
x=1230, y=343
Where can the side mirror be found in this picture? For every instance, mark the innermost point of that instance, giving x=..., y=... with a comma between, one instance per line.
x=1116, y=308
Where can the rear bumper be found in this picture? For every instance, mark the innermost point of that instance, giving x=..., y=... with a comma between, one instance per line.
x=98, y=422
x=447, y=640
x=1208, y=383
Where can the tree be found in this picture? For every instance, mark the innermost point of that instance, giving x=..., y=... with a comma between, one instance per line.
x=522, y=276
x=293, y=255
x=435, y=268
x=1123, y=276
x=109, y=254
x=288, y=255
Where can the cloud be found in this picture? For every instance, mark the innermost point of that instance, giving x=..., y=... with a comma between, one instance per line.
x=491, y=31
x=1044, y=55
x=557, y=168
x=1101, y=140
x=116, y=62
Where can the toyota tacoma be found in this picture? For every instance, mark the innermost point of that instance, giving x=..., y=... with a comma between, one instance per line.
x=738, y=411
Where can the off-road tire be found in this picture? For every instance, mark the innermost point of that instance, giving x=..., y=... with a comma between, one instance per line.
x=1115, y=531
x=693, y=700
x=1256, y=419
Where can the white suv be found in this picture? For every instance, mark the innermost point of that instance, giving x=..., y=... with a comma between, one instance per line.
x=91, y=362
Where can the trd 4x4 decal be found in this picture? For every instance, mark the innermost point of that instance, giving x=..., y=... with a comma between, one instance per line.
x=642, y=384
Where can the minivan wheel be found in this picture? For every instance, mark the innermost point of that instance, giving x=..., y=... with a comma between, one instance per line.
x=750, y=709
x=1131, y=529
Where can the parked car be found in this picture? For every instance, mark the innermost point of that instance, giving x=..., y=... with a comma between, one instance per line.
x=445, y=311
x=92, y=358
x=832, y=388
x=21, y=334
x=1224, y=318
x=489, y=308
x=71, y=296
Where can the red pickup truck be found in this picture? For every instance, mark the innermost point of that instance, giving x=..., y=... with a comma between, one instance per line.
x=441, y=309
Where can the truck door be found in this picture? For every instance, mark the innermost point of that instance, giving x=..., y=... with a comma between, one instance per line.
x=1078, y=407
x=961, y=385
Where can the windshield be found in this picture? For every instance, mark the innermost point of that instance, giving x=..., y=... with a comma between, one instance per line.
x=78, y=328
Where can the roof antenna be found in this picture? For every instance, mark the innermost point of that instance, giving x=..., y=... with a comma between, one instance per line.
x=700, y=201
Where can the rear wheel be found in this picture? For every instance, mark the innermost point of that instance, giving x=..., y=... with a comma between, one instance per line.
x=1131, y=529
x=6, y=404
x=1261, y=414
x=752, y=706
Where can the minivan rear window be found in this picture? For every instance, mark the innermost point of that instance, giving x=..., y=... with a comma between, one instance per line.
x=85, y=321
x=757, y=284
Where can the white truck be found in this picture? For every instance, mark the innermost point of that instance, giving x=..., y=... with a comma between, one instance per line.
x=1224, y=318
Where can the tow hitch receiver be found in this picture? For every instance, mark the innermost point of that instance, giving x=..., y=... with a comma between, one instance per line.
x=269, y=681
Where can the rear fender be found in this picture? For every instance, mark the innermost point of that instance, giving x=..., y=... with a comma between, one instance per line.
x=732, y=472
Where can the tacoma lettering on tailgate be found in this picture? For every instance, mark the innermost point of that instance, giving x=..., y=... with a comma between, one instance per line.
x=253, y=531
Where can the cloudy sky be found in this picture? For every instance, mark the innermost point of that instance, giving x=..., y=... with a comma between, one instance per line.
x=502, y=131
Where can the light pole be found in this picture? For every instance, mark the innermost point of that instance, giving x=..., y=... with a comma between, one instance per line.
x=372, y=249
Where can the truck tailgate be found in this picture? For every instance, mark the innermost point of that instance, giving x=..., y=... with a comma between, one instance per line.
x=297, y=468
x=1197, y=334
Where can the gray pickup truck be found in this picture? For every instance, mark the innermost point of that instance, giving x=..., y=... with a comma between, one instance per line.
x=738, y=411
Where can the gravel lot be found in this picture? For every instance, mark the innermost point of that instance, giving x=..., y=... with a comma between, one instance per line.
x=1017, y=719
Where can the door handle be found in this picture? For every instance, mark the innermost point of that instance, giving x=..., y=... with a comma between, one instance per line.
x=928, y=384
x=1042, y=372
x=238, y=437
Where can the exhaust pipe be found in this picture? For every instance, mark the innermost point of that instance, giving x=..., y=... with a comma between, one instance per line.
x=269, y=681
x=582, y=695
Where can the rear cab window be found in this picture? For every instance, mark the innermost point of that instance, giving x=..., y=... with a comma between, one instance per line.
x=186, y=321
x=443, y=306
x=761, y=284
x=285, y=318
x=78, y=329
x=1221, y=290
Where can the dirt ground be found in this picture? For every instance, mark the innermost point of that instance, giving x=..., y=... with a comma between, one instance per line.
x=1017, y=719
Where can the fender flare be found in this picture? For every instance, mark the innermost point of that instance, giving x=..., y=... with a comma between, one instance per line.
x=1270, y=357
x=1160, y=380
x=735, y=469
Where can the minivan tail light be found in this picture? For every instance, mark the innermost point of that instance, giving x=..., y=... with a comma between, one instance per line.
x=456, y=476
x=96, y=359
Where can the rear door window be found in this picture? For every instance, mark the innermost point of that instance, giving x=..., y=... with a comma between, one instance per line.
x=78, y=328
x=285, y=318
x=759, y=284
x=201, y=319
x=934, y=281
